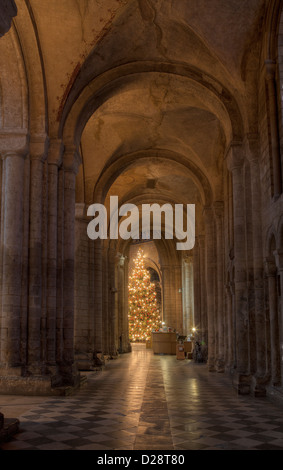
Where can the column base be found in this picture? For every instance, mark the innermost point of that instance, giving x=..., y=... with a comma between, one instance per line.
x=259, y=384
x=211, y=365
x=220, y=366
x=62, y=381
x=89, y=361
x=275, y=394
x=242, y=384
x=8, y=427
x=114, y=355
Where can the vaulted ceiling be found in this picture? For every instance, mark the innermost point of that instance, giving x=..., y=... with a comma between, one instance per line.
x=161, y=86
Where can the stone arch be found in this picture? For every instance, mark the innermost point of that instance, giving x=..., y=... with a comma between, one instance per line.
x=119, y=165
x=14, y=87
x=76, y=115
x=26, y=28
x=271, y=55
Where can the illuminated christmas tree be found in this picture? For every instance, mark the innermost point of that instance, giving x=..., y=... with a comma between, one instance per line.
x=143, y=309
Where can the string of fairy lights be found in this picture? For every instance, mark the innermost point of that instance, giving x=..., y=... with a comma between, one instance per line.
x=144, y=315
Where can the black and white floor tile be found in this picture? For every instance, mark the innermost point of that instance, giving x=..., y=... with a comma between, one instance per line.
x=142, y=401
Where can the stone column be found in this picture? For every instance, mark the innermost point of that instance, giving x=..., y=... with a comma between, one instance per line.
x=178, y=299
x=112, y=300
x=99, y=274
x=196, y=289
x=13, y=168
x=253, y=156
x=58, y=292
x=210, y=284
x=271, y=273
x=105, y=334
x=53, y=323
x=190, y=297
x=126, y=304
x=218, y=208
x=166, y=295
x=70, y=164
x=185, y=295
x=123, y=303
x=203, y=300
x=279, y=264
x=235, y=160
x=229, y=328
x=274, y=131
x=38, y=154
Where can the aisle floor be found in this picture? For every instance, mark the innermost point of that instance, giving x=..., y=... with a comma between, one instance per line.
x=146, y=402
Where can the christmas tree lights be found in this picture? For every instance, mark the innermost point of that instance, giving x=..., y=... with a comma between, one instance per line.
x=143, y=309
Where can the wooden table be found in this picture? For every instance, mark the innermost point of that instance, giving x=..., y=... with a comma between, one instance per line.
x=164, y=343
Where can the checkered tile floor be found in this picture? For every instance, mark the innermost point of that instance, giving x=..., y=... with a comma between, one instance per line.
x=142, y=401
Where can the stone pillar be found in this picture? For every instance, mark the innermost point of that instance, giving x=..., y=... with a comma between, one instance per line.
x=71, y=161
x=189, y=295
x=70, y=165
x=229, y=328
x=105, y=330
x=210, y=284
x=279, y=264
x=185, y=295
x=112, y=300
x=274, y=131
x=235, y=160
x=218, y=208
x=84, y=306
x=123, y=304
x=196, y=289
x=203, y=299
x=53, y=323
x=178, y=299
x=12, y=191
x=99, y=274
x=253, y=156
x=126, y=304
x=166, y=295
x=271, y=273
x=58, y=292
x=35, y=354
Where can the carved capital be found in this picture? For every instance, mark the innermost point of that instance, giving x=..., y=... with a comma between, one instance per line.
x=252, y=148
x=13, y=141
x=55, y=152
x=71, y=160
x=235, y=156
x=218, y=209
x=39, y=145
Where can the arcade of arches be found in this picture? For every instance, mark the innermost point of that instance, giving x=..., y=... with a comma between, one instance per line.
x=153, y=101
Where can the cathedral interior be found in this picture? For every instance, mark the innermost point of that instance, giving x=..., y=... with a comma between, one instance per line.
x=168, y=102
